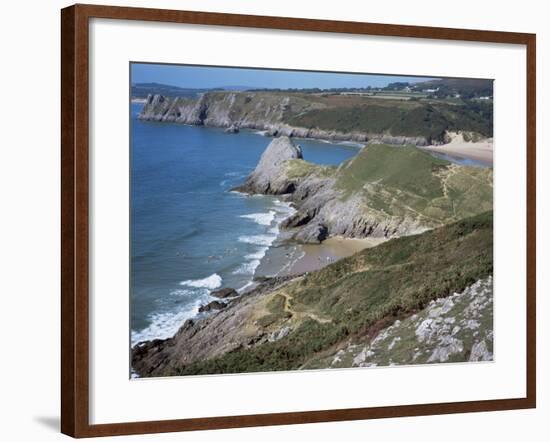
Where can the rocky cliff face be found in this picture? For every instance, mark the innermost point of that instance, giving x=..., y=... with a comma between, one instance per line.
x=269, y=112
x=269, y=177
x=416, y=191
x=208, y=336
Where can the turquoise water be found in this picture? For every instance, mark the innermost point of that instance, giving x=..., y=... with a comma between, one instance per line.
x=189, y=233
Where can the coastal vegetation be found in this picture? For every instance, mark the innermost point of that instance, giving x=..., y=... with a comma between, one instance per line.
x=327, y=116
x=422, y=295
x=346, y=302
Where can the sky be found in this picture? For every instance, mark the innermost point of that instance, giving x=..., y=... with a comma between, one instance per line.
x=212, y=77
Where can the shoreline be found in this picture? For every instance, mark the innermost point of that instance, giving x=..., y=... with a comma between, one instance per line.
x=479, y=151
x=292, y=259
x=316, y=256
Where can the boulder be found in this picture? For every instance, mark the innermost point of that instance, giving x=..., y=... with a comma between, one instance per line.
x=214, y=305
x=312, y=233
x=233, y=129
x=224, y=293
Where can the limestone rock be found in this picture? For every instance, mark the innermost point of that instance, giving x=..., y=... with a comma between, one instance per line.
x=269, y=177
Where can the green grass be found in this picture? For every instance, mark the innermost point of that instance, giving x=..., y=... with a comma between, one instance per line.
x=409, y=182
x=374, y=286
x=300, y=168
x=406, y=168
x=430, y=120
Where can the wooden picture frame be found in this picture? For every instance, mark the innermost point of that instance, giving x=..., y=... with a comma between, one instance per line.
x=75, y=246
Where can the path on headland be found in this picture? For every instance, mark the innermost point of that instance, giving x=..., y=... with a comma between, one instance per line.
x=298, y=315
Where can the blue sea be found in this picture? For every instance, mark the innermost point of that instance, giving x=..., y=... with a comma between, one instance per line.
x=189, y=234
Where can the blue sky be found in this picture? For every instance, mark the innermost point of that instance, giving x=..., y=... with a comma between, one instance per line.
x=210, y=77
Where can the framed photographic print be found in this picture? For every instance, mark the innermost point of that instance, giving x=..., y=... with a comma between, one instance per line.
x=292, y=221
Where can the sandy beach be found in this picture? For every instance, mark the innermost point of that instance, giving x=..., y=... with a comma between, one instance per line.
x=481, y=151
x=299, y=258
x=316, y=256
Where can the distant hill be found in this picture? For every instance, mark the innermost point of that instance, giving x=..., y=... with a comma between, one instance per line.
x=141, y=90
x=338, y=117
x=465, y=87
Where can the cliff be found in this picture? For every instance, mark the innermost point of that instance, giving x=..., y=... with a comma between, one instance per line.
x=321, y=116
x=421, y=298
x=267, y=177
x=384, y=191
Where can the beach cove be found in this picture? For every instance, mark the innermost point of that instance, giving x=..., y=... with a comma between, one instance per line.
x=191, y=234
x=194, y=235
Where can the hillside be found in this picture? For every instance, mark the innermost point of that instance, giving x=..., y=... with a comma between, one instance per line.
x=325, y=116
x=306, y=321
x=466, y=88
x=143, y=90
x=384, y=191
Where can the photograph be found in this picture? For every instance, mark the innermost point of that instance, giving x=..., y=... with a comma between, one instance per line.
x=294, y=220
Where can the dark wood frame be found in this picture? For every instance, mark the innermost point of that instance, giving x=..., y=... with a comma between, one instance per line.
x=74, y=219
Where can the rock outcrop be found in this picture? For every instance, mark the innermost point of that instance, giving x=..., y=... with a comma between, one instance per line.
x=270, y=177
x=227, y=292
x=220, y=332
x=233, y=129
x=456, y=328
x=214, y=305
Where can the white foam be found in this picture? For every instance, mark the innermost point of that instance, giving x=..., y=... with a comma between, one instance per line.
x=182, y=292
x=247, y=268
x=283, y=207
x=244, y=287
x=257, y=255
x=264, y=219
x=274, y=229
x=261, y=240
x=212, y=282
x=165, y=325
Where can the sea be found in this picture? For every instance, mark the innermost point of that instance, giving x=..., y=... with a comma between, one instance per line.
x=190, y=234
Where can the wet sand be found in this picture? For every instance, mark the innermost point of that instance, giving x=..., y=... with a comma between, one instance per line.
x=295, y=259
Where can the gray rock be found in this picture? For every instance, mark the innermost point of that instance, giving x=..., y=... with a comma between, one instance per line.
x=269, y=176
x=312, y=233
x=448, y=347
x=480, y=352
x=280, y=334
x=214, y=305
x=224, y=293
x=233, y=129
